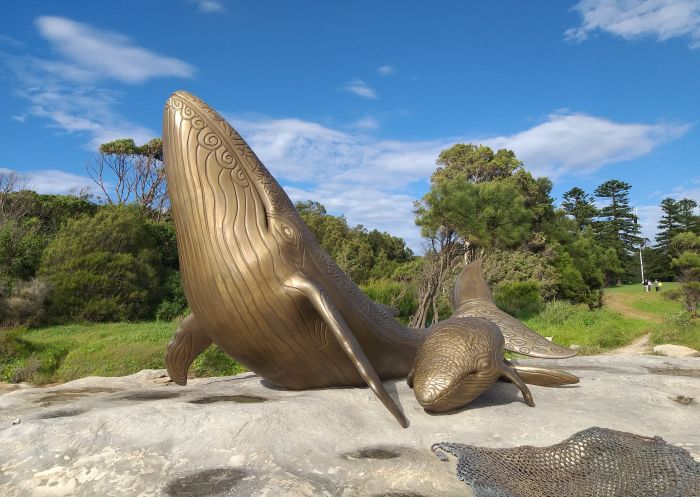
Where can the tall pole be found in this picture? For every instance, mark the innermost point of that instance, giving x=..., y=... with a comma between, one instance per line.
x=641, y=261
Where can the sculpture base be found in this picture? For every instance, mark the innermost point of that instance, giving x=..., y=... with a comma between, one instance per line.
x=237, y=436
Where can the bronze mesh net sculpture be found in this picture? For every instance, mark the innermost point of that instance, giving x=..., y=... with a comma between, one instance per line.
x=596, y=462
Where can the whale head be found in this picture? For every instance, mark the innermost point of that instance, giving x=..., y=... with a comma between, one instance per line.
x=225, y=203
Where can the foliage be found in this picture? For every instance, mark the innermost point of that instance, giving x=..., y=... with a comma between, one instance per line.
x=585, y=268
x=127, y=173
x=399, y=295
x=678, y=328
x=687, y=246
x=593, y=331
x=475, y=164
x=104, y=268
x=518, y=297
x=617, y=225
x=174, y=303
x=362, y=254
x=579, y=205
x=533, y=263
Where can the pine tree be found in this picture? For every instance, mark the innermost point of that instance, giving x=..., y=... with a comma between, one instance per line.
x=617, y=226
x=579, y=205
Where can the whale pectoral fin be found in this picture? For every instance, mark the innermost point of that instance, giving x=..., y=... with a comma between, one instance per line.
x=328, y=311
x=189, y=341
x=510, y=373
x=545, y=377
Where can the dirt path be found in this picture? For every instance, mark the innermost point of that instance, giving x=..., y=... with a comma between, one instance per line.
x=620, y=303
x=639, y=346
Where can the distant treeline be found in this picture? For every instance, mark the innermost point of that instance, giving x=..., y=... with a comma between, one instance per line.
x=113, y=257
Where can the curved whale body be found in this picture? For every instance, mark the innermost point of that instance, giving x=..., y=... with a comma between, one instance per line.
x=259, y=285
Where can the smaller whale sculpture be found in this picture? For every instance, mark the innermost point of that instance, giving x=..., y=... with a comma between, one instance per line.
x=262, y=289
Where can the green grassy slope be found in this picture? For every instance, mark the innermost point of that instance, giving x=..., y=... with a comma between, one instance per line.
x=64, y=353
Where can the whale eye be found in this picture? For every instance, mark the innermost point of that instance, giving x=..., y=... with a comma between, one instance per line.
x=289, y=233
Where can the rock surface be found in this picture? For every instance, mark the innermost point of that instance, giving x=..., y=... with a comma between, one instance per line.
x=671, y=350
x=142, y=436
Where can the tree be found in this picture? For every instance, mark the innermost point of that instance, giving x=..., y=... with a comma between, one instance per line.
x=480, y=201
x=361, y=254
x=687, y=247
x=104, y=268
x=617, y=226
x=475, y=164
x=128, y=173
x=579, y=205
x=678, y=217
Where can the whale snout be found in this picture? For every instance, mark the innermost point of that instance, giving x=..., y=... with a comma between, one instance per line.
x=459, y=360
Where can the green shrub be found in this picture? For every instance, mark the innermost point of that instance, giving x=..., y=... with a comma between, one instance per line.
x=518, y=297
x=401, y=296
x=174, y=304
x=104, y=268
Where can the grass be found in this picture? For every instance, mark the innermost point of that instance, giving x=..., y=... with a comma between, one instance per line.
x=653, y=302
x=635, y=314
x=593, y=331
x=675, y=325
x=64, y=353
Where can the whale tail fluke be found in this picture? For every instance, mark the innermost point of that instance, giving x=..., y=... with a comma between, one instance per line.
x=471, y=285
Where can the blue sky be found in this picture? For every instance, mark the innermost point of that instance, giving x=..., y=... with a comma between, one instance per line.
x=350, y=103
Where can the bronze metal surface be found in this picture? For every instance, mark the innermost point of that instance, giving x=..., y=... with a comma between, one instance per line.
x=262, y=289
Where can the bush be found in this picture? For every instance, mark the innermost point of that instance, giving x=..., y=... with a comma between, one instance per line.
x=104, y=268
x=174, y=304
x=518, y=297
x=26, y=303
x=401, y=296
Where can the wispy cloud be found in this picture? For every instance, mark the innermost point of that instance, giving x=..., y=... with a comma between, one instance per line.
x=386, y=70
x=663, y=19
x=374, y=182
x=104, y=54
x=209, y=6
x=53, y=181
x=367, y=122
x=72, y=91
x=581, y=144
x=361, y=89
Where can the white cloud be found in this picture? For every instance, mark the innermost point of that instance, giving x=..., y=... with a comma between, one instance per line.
x=361, y=89
x=663, y=19
x=53, y=181
x=104, y=54
x=64, y=91
x=367, y=122
x=386, y=70
x=209, y=6
x=579, y=144
x=373, y=181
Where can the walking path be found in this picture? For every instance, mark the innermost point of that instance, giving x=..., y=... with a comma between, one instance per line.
x=620, y=303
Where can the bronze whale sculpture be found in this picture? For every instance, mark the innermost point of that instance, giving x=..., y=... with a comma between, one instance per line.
x=261, y=288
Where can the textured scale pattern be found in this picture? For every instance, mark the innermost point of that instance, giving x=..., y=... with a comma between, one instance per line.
x=596, y=462
x=519, y=338
x=458, y=361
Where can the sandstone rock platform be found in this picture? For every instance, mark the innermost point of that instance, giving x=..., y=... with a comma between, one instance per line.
x=239, y=436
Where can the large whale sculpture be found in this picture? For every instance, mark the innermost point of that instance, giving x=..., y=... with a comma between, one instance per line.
x=261, y=288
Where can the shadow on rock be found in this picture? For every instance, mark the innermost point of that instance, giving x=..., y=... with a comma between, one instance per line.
x=205, y=483
x=241, y=399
